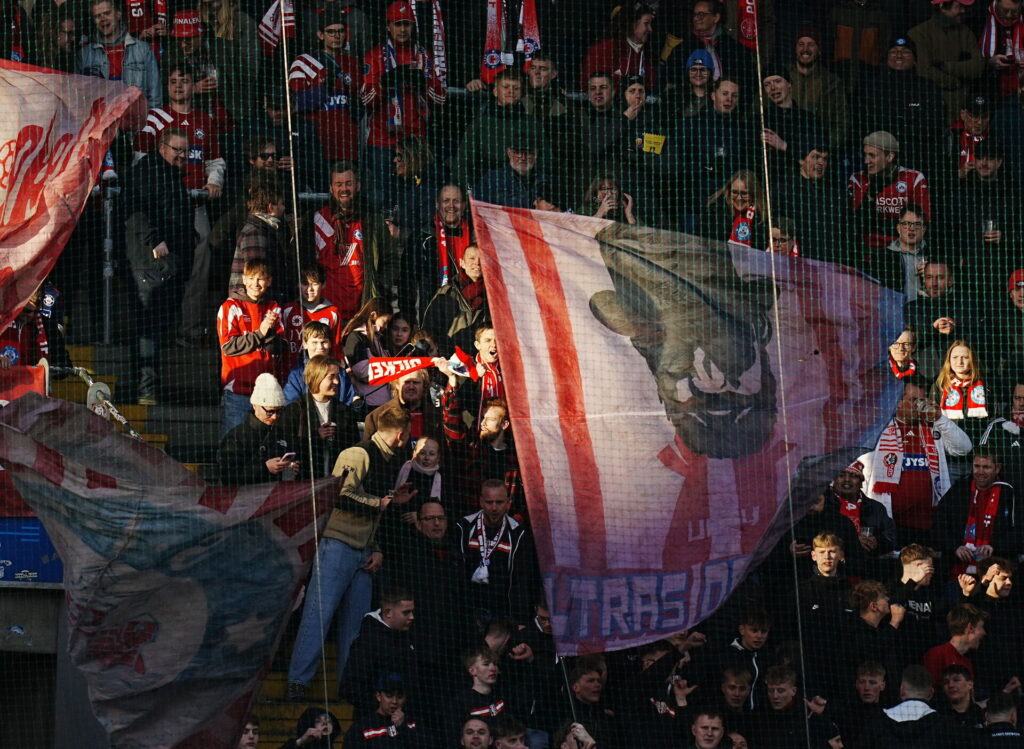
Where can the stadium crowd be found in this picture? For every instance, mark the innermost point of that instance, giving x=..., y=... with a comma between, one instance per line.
x=882, y=134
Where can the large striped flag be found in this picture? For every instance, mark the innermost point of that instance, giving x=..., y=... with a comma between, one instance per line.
x=177, y=592
x=667, y=395
x=54, y=132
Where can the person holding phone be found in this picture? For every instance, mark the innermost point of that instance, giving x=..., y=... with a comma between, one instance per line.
x=258, y=449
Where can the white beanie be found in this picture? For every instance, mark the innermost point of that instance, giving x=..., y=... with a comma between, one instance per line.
x=267, y=392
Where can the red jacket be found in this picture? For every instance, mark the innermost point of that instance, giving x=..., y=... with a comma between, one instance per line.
x=325, y=88
x=904, y=187
x=245, y=353
x=615, y=56
x=398, y=109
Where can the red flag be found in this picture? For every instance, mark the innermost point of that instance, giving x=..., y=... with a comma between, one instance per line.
x=53, y=135
x=384, y=369
x=688, y=389
x=269, y=29
x=178, y=592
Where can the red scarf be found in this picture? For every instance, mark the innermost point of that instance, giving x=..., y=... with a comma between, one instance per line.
x=850, y=510
x=496, y=58
x=1001, y=38
x=1017, y=417
x=981, y=515
x=440, y=46
x=743, y=227
x=492, y=385
x=747, y=31
x=448, y=261
x=959, y=391
x=901, y=373
x=968, y=142
x=473, y=291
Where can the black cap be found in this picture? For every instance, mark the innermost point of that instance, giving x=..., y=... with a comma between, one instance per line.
x=779, y=71
x=331, y=16
x=903, y=41
x=978, y=105
x=390, y=682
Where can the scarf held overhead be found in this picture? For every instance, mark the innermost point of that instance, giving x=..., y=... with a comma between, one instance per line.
x=497, y=54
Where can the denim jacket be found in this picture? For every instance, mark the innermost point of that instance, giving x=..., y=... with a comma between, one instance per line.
x=139, y=67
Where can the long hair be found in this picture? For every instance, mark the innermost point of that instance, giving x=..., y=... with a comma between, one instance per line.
x=416, y=152
x=750, y=179
x=367, y=315
x=224, y=25
x=590, y=196
x=946, y=374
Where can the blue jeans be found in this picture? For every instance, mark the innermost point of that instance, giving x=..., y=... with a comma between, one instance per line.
x=338, y=578
x=233, y=410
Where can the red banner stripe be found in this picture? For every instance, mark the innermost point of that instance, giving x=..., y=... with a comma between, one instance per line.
x=568, y=379
x=518, y=400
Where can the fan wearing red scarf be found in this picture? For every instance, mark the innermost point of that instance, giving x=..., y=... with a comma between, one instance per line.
x=977, y=518
x=901, y=354
x=1002, y=43
x=962, y=394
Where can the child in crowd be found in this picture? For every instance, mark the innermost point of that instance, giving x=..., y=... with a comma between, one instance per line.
x=310, y=306
x=316, y=340
x=249, y=332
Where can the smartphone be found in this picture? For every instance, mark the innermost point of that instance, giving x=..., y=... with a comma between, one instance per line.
x=289, y=457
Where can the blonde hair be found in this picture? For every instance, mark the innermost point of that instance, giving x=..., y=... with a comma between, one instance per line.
x=946, y=374
x=224, y=25
x=317, y=369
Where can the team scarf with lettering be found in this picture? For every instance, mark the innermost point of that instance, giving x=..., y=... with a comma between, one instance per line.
x=421, y=64
x=885, y=463
x=527, y=40
x=960, y=393
x=440, y=47
x=482, y=576
x=981, y=513
x=492, y=385
x=448, y=258
x=743, y=227
x=901, y=373
x=747, y=28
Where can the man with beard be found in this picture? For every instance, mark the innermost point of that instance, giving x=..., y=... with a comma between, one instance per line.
x=353, y=245
x=519, y=183
x=495, y=555
x=816, y=88
x=432, y=259
x=628, y=52
x=947, y=52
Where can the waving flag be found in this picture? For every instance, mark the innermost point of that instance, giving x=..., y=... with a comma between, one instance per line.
x=53, y=135
x=667, y=395
x=280, y=13
x=177, y=592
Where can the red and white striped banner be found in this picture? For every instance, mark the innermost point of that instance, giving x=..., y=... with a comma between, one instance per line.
x=54, y=132
x=665, y=402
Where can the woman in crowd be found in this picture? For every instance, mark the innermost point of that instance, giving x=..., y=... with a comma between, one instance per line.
x=400, y=331
x=605, y=199
x=962, y=397
x=736, y=212
x=363, y=337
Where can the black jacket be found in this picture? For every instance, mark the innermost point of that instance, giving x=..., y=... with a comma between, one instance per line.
x=158, y=210
x=377, y=650
x=300, y=418
x=244, y=451
x=912, y=724
x=951, y=517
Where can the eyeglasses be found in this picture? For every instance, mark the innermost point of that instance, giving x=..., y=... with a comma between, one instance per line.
x=907, y=224
x=271, y=411
x=334, y=32
x=701, y=14
x=781, y=240
x=432, y=518
x=176, y=149
x=903, y=346
x=267, y=156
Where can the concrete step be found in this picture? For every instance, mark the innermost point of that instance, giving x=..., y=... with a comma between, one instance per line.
x=82, y=355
